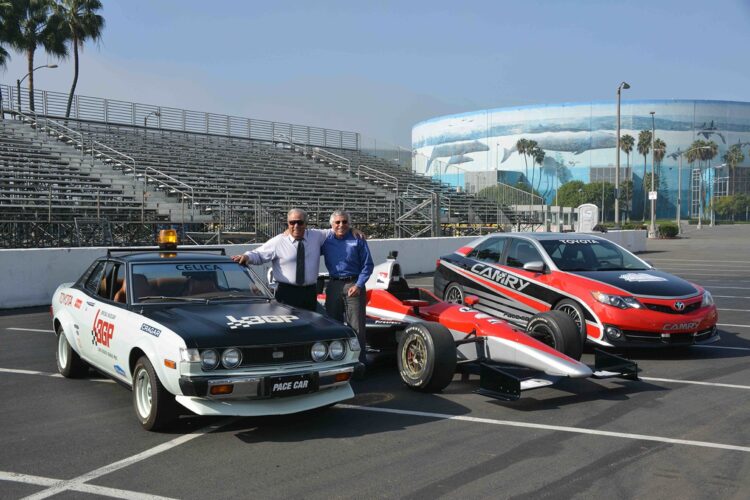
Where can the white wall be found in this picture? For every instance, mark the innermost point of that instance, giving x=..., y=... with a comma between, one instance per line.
x=30, y=276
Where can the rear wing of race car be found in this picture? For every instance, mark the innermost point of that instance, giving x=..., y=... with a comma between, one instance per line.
x=506, y=383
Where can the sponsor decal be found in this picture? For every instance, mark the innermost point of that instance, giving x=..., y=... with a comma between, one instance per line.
x=248, y=321
x=78, y=303
x=500, y=277
x=580, y=242
x=150, y=330
x=90, y=303
x=66, y=299
x=102, y=331
x=290, y=386
x=641, y=277
x=387, y=322
x=108, y=315
x=277, y=354
x=197, y=267
x=119, y=370
x=679, y=305
x=690, y=325
x=481, y=315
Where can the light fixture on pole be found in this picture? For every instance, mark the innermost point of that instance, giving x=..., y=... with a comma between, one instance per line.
x=712, y=218
x=679, y=184
x=145, y=118
x=652, y=192
x=623, y=85
x=18, y=82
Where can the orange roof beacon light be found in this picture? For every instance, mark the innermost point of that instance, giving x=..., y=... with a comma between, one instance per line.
x=168, y=239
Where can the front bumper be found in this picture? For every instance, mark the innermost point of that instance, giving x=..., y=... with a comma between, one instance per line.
x=635, y=338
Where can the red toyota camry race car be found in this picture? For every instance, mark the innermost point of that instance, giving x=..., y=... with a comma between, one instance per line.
x=434, y=339
x=615, y=298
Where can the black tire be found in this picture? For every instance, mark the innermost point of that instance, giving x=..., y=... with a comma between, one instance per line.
x=154, y=406
x=454, y=293
x=557, y=330
x=575, y=311
x=426, y=357
x=69, y=363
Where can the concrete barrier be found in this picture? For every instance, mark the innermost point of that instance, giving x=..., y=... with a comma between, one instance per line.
x=30, y=276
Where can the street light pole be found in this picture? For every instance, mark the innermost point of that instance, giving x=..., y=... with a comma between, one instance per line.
x=18, y=82
x=145, y=118
x=652, y=227
x=622, y=85
x=679, y=194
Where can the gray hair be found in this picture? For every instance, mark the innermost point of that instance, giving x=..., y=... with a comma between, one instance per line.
x=297, y=211
x=340, y=213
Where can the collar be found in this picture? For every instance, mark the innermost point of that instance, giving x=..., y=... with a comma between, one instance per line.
x=291, y=239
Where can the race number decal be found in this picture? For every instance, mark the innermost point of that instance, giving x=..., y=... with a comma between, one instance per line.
x=102, y=331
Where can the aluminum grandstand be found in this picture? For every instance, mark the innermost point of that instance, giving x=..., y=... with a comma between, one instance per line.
x=101, y=177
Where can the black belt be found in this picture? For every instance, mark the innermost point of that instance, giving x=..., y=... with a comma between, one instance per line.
x=345, y=278
x=296, y=286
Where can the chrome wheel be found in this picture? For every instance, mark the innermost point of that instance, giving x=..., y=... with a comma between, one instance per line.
x=414, y=356
x=62, y=350
x=142, y=389
x=454, y=294
x=571, y=311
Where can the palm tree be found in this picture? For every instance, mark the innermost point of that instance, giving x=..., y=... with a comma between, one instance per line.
x=701, y=151
x=626, y=145
x=538, y=155
x=644, y=147
x=82, y=23
x=6, y=15
x=525, y=147
x=660, y=151
x=733, y=157
x=34, y=23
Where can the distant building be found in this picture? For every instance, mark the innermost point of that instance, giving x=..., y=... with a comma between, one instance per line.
x=579, y=141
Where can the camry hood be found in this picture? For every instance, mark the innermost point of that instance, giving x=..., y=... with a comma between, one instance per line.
x=649, y=282
x=246, y=324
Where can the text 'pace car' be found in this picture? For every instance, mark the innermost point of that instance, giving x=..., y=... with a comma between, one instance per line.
x=614, y=297
x=194, y=328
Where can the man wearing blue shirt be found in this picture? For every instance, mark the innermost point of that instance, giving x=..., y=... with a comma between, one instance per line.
x=350, y=265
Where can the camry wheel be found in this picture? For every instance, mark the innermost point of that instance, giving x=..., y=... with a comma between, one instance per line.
x=426, y=357
x=154, y=406
x=454, y=293
x=575, y=311
x=557, y=330
x=69, y=363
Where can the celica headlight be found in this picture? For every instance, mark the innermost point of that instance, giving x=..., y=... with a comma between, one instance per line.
x=231, y=358
x=319, y=351
x=209, y=359
x=354, y=344
x=336, y=350
x=708, y=299
x=190, y=355
x=621, y=302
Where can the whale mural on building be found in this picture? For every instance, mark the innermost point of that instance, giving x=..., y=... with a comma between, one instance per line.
x=570, y=142
x=454, y=149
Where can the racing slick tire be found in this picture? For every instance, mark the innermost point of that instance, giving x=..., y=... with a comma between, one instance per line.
x=154, y=406
x=69, y=363
x=575, y=311
x=557, y=330
x=454, y=293
x=426, y=357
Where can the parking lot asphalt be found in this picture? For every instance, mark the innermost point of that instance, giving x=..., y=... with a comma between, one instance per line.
x=680, y=432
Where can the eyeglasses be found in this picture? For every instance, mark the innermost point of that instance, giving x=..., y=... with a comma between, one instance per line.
x=296, y=222
x=337, y=222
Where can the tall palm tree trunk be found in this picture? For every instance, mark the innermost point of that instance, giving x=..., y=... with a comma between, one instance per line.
x=643, y=213
x=30, y=58
x=75, y=75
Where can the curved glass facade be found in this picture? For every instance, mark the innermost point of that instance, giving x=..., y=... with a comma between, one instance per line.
x=579, y=141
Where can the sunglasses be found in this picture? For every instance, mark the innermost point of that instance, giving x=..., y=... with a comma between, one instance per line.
x=337, y=222
x=296, y=222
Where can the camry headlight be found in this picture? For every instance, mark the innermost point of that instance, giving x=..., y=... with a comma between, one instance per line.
x=231, y=358
x=708, y=299
x=209, y=359
x=619, y=301
x=336, y=350
x=319, y=351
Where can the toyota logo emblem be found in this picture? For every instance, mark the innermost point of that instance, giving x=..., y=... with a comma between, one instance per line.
x=679, y=305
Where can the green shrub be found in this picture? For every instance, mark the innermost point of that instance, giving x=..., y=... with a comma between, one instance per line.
x=668, y=230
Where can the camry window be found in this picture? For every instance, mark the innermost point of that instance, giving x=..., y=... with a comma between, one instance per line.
x=522, y=252
x=591, y=255
x=194, y=282
x=489, y=251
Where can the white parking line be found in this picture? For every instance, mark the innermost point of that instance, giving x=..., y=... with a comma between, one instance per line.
x=698, y=260
x=736, y=326
x=560, y=428
x=48, y=374
x=741, y=310
x=731, y=297
x=77, y=482
x=29, y=330
x=731, y=287
x=694, y=382
x=83, y=488
x=721, y=347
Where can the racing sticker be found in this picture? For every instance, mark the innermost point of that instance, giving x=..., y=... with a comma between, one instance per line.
x=580, y=242
x=119, y=370
x=198, y=267
x=66, y=299
x=102, y=333
x=78, y=303
x=248, y=321
x=150, y=330
x=500, y=277
x=641, y=277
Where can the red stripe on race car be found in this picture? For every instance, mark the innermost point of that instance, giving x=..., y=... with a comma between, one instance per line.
x=464, y=251
x=529, y=301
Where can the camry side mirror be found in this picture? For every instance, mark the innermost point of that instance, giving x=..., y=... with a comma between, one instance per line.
x=536, y=266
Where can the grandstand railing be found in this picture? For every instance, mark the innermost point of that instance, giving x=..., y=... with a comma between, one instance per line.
x=116, y=112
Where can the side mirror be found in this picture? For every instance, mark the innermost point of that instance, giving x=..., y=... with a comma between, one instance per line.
x=536, y=266
x=471, y=300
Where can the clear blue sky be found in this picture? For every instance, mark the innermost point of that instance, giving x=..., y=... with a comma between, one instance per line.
x=379, y=67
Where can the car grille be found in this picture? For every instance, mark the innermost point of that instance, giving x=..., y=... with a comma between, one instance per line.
x=669, y=310
x=295, y=353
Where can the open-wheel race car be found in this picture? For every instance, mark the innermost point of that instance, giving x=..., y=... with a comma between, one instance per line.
x=434, y=339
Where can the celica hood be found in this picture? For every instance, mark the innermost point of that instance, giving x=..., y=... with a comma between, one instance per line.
x=245, y=324
x=650, y=282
